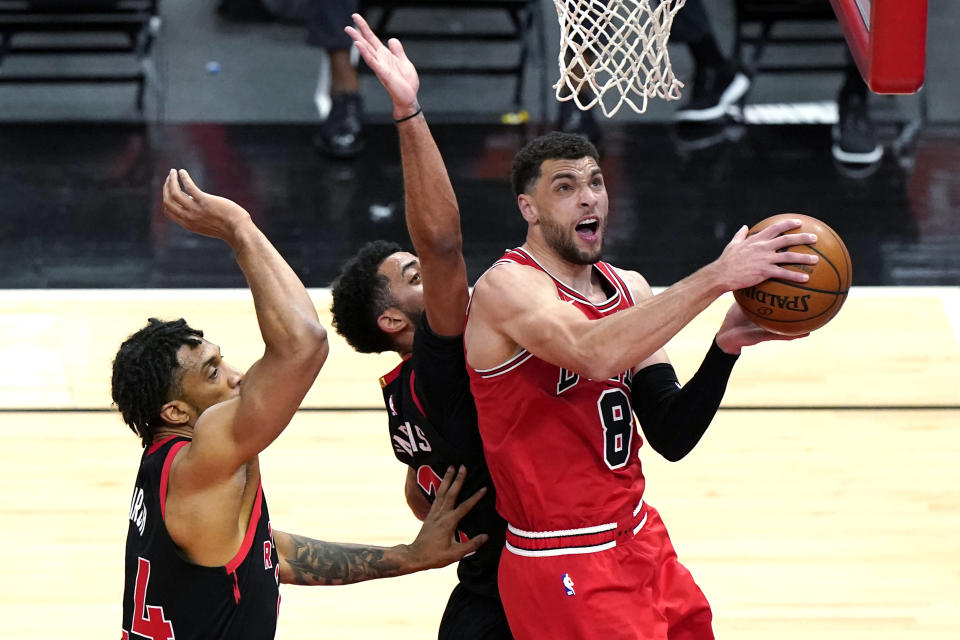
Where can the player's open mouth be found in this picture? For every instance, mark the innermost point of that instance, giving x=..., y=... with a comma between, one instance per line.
x=588, y=227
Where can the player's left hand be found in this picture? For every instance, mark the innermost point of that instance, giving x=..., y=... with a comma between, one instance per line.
x=394, y=70
x=738, y=331
x=435, y=546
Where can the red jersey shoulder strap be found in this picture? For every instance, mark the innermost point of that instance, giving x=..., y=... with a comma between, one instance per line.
x=616, y=280
x=621, y=290
x=565, y=291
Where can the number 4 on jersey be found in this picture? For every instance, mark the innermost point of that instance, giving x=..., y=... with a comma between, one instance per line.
x=148, y=621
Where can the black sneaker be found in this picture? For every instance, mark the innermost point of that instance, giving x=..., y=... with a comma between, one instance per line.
x=342, y=132
x=690, y=137
x=715, y=89
x=573, y=120
x=855, y=139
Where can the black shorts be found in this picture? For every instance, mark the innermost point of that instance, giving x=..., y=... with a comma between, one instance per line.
x=469, y=616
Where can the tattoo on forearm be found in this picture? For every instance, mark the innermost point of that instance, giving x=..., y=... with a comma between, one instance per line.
x=315, y=562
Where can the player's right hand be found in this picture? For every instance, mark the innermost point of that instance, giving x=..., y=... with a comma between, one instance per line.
x=738, y=331
x=201, y=212
x=435, y=546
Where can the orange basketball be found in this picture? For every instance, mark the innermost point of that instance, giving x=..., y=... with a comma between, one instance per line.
x=793, y=308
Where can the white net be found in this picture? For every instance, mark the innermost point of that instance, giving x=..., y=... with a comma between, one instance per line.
x=614, y=52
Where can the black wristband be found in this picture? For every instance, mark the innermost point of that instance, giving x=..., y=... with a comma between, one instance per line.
x=411, y=116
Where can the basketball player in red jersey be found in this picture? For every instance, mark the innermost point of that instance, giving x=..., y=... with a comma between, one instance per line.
x=386, y=299
x=562, y=351
x=202, y=559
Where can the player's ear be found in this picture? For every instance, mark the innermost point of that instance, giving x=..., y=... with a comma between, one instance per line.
x=528, y=208
x=177, y=412
x=392, y=320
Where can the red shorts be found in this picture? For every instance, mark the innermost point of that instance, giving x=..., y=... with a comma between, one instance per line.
x=635, y=590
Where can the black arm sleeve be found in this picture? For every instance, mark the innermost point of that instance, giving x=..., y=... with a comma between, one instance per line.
x=674, y=419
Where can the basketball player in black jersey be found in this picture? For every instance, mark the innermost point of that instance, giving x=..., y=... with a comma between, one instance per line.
x=202, y=559
x=388, y=300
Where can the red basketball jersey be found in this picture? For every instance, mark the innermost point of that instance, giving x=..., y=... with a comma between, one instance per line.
x=562, y=449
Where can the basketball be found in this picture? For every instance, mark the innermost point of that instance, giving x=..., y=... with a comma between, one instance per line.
x=795, y=308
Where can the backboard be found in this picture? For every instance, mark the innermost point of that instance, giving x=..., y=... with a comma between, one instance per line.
x=888, y=39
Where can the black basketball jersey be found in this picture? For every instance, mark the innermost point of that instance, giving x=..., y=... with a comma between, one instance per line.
x=433, y=425
x=166, y=597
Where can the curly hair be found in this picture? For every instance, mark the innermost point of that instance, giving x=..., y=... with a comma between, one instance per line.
x=360, y=294
x=145, y=373
x=555, y=145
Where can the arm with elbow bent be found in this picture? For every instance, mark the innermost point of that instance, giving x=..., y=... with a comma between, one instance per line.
x=674, y=418
x=518, y=306
x=295, y=343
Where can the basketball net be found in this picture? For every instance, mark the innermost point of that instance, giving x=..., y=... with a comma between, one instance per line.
x=615, y=51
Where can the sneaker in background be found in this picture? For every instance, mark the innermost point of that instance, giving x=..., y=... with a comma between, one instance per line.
x=573, y=120
x=855, y=138
x=715, y=90
x=341, y=135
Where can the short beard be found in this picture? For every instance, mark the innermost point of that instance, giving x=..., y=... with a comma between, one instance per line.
x=413, y=316
x=411, y=313
x=562, y=244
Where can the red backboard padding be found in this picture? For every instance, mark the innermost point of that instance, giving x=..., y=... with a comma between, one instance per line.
x=891, y=54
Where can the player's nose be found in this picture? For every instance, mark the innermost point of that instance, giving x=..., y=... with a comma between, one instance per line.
x=588, y=198
x=234, y=377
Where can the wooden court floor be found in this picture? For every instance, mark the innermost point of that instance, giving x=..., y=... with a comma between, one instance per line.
x=823, y=502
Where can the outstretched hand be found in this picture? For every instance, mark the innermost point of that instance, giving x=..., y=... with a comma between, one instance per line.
x=435, y=545
x=391, y=65
x=201, y=212
x=738, y=331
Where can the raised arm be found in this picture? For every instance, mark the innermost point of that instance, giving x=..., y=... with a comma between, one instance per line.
x=295, y=346
x=315, y=562
x=515, y=307
x=433, y=218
